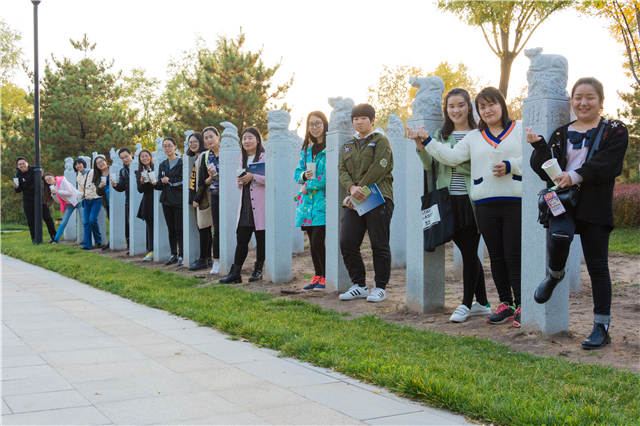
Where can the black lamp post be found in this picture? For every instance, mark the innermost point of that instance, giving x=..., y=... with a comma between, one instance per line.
x=36, y=112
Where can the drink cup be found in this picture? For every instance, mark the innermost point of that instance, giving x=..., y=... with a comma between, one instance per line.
x=241, y=172
x=145, y=174
x=113, y=177
x=552, y=168
x=104, y=179
x=52, y=187
x=152, y=177
x=212, y=168
x=16, y=181
x=312, y=168
x=496, y=158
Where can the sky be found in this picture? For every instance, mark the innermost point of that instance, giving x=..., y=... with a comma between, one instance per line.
x=332, y=48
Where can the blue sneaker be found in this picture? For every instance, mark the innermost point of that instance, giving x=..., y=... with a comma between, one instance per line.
x=321, y=284
x=312, y=285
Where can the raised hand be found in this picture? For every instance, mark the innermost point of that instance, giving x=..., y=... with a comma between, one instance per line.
x=532, y=137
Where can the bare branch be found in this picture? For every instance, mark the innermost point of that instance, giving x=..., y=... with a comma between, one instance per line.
x=488, y=42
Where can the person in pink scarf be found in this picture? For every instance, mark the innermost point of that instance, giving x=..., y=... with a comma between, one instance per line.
x=60, y=190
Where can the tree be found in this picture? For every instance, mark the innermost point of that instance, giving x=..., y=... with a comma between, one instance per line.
x=631, y=113
x=82, y=109
x=142, y=93
x=499, y=21
x=226, y=84
x=623, y=20
x=11, y=52
x=394, y=94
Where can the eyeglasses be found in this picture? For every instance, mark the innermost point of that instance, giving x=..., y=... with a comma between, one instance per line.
x=167, y=146
x=316, y=125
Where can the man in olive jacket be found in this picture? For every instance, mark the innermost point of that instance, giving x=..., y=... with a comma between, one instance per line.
x=365, y=160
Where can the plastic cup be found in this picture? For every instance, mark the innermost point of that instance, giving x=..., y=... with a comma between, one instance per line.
x=152, y=177
x=104, y=179
x=552, y=168
x=496, y=158
x=312, y=168
x=113, y=177
x=212, y=168
x=16, y=181
x=145, y=174
x=52, y=187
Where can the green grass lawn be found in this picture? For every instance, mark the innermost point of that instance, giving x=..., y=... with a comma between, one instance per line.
x=625, y=240
x=476, y=377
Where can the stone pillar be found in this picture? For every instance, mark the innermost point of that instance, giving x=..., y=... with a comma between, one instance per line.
x=425, y=271
x=80, y=209
x=190, y=234
x=545, y=109
x=297, y=237
x=574, y=264
x=229, y=195
x=399, y=146
x=70, y=175
x=340, y=131
x=161, y=249
x=137, y=227
x=278, y=201
x=117, y=236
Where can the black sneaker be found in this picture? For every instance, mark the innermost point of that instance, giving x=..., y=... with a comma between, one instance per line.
x=503, y=314
x=54, y=241
x=517, y=317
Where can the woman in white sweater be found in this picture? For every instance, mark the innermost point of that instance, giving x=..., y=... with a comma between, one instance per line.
x=495, y=151
x=60, y=190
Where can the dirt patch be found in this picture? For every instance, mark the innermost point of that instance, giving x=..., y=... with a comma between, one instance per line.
x=622, y=353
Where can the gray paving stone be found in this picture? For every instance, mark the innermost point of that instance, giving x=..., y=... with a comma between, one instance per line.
x=23, y=350
x=166, y=349
x=111, y=370
x=285, y=374
x=151, y=338
x=167, y=323
x=65, y=416
x=92, y=356
x=310, y=413
x=124, y=329
x=420, y=418
x=36, y=336
x=45, y=401
x=226, y=419
x=194, y=336
x=233, y=352
x=7, y=333
x=5, y=408
x=34, y=385
x=22, y=361
x=17, y=373
x=225, y=378
x=353, y=401
x=262, y=396
x=148, y=386
x=54, y=295
x=184, y=363
x=172, y=408
x=55, y=345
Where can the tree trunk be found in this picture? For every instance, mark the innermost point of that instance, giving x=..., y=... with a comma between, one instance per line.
x=506, y=61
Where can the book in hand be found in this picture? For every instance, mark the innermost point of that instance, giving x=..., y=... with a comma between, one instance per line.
x=257, y=168
x=373, y=200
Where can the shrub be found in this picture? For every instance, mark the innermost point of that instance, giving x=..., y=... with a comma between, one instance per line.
x=11, y=203
x=626, y=205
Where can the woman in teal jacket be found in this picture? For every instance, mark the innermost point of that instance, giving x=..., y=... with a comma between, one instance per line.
x=311, y=200
x=458, y=122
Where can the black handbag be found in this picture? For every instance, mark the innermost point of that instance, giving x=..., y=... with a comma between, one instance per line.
x=569, y=195
x=437, y=216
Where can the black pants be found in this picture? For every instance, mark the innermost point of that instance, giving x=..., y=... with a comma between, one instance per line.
x=500, y=225
x=30, y=213
x=354, y=226
x=149, y=223
x=473, y=284
x=215, y=217
x=126, y=223
x=205, y=242
x=173, y=216
x=316, y=242
x=243, y=238
x=595, y=246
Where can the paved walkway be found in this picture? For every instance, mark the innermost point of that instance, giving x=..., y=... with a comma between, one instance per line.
x=72, y=354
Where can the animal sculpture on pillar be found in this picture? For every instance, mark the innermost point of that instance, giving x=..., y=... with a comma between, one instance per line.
x=68, y=164
x=340, y=119
x=395, y=128
x=426, y=103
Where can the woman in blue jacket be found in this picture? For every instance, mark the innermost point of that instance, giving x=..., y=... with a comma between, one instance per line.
x=311, y=200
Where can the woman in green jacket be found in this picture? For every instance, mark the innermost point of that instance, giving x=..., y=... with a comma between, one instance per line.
x=458, y=121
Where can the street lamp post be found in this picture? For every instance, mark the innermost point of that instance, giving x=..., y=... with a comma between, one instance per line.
x=36, y=110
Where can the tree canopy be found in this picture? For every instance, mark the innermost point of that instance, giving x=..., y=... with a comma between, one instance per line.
x=502, y=20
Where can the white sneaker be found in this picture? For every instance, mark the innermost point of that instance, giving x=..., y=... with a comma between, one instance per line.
x=355, y=292
x=460, y=314
x=216, y=268
x=478, y=309
x=377, y=295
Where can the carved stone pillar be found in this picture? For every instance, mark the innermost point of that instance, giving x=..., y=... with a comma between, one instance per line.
x=229, y=195
x=161, y=249
x=70, y=175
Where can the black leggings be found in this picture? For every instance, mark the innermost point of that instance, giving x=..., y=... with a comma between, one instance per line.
x=500, y=223
x=173, y=216
x=595, y=246
x=467, y=240
x=215, y=216
x=316, y=242
x=205, y=242
x=243, y=237
x=149, y=223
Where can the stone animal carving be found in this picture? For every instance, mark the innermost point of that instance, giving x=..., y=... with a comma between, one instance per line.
x=547, y=75
x=94, y=155
x=115, y=158
x=187, y=134
x=395, y=128
x=428, y=100
x=340, y=119
x=296, y=141
x=68, y=164
x=138, y=149
x=278, y=119
x=229, y=138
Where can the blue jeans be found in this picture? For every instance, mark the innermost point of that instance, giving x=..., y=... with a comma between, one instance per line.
x=68, y=211
x=91, y=212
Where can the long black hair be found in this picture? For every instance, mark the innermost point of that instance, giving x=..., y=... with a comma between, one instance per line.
x=140, y=165
x=491, y=94
x=325, y=124
x=259, y=149
x=201, y=147
x=449, y=125
x=97, y=173
x=47, y=198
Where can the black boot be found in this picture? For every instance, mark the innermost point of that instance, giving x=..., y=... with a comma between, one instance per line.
x=209, y=262
x=545, y=289
x=257, y=272
x=172, y=259
x=198, y=264
x=234, y=276
x=598, y=338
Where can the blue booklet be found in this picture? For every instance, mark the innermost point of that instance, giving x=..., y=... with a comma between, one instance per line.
x=372, y=201
x=256, y=168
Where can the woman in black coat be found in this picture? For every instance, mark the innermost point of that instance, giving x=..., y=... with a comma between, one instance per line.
x=592, y=217
x=169, y=181
x=145, y=212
